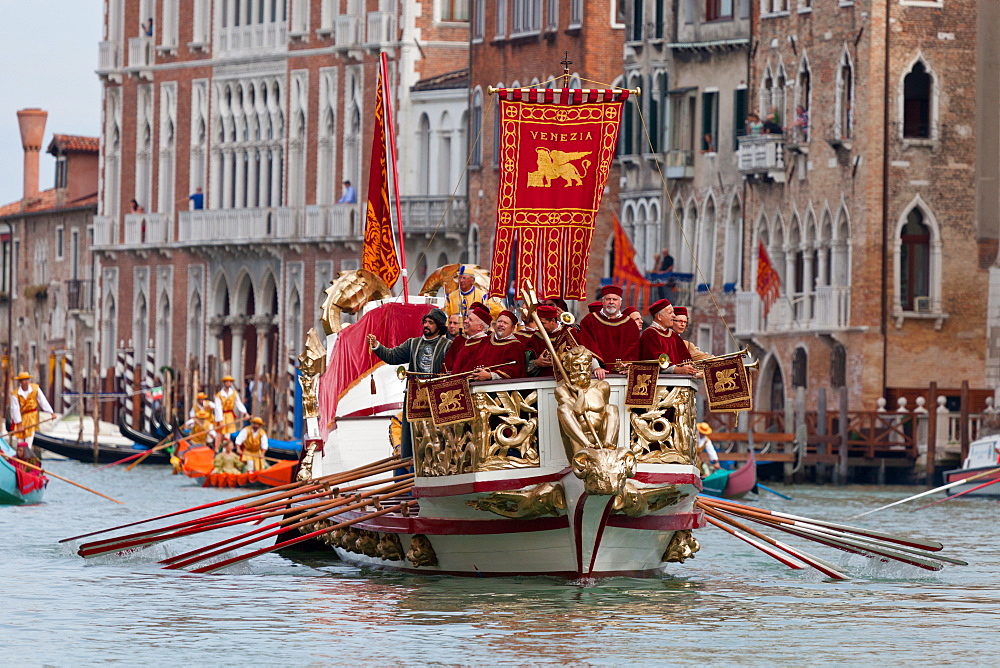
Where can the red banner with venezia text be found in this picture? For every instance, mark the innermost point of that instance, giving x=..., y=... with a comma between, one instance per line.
x=379, y=253
x=556, y=148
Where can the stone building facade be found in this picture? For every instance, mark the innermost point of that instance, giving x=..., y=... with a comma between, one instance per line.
x=262, y=107
x=517, y=43
x=681, y=187
x=869, y=214
x=47, y=295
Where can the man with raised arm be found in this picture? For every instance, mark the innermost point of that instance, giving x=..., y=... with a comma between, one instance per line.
x=614, y=335
x=660, y=338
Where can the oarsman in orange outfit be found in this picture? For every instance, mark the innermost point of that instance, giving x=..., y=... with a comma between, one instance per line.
x=228, y=407
x=24, y=406
x=253, y=443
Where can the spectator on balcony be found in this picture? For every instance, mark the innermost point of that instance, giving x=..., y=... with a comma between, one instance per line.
x=349, y=196
x=772, y=126
x=147, y=27
x=754, y=126
x=197, y=199
x=137, y=208
x=801, y=124
x=663, y=263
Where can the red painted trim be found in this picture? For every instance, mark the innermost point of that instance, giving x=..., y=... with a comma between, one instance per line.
x=372, y=411
x=675, y=522
x=668, y=478
x=461, y=527
x=429, y=491
x=569, y=575
x=600, y=533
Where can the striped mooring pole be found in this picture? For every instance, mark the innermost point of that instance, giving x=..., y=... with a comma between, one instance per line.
x=129, y=385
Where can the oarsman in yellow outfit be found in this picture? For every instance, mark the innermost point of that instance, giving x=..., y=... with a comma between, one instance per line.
x=201, y=424
x=24, y=407
x=228, y=407
x=253, y=441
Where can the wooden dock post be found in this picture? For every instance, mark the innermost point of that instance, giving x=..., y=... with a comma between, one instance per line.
x=963, y=428
x=821, y=471
x=844, y=449
x=931, y=432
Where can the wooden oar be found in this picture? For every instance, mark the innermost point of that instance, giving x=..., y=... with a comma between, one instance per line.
x=358, y=473
x=774, y=491
x=19, y=430
x=775, y=554
x=930, y=491
x=787, y=518
x=822, y=566
x=298, y=539
x=294, y=521
x=207, y=522
x=955, y=496
x=57, y=477
x=177, y=440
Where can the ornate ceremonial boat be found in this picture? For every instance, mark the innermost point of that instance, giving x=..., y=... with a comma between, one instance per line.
x=507, y=489
x=19, y=484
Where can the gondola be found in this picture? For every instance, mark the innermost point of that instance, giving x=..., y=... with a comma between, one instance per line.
x=140, y=438
x=62, y=437
x=732, y=484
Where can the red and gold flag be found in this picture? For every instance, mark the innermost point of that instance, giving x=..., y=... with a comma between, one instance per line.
x=556, y=148
x=728, y=386
x=768, y=281
x=450, y=400
x=640, y=390
x=417, y=407
x=379, y=254
x=625, y=272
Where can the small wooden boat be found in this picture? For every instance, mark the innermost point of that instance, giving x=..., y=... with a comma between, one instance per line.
x=984, y=455
x=732, y=484
x=199, y=463
x=62, y=437
x=140, y=438
x=19, y=484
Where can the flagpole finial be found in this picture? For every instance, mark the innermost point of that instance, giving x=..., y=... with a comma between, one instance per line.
x=566, y=62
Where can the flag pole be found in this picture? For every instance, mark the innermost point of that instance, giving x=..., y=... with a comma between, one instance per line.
x=391, y=140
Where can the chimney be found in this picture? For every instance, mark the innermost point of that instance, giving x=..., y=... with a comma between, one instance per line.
x=32, y=124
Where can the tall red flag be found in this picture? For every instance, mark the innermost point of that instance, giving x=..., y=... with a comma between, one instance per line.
x=625, y=273
x=768, y=281
x=379, y=254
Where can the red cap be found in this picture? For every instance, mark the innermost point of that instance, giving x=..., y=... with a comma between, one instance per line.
x=629, y=310
x=658, y=306
x=594, y=307
x=546, y=311
x=612, y=290
x=680, y=310
x=509, y=314
x=481, y=312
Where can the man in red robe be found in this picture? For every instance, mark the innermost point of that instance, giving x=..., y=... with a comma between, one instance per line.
x=660, y=338
x=613, y=333
x=563, y=338
x=480, y=349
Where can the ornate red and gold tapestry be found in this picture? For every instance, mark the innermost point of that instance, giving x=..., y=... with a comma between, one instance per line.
x=556, y=148
x=727, y=384
x=417, y=407
x=379, y=254
x=640, y=390
x=450, y=400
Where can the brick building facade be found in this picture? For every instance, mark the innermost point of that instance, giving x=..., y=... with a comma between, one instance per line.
x=261, y=107
x=46, y=295
x=868, y=216
x=517, y=43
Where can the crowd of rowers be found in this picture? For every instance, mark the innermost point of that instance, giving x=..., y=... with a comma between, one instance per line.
x=487, y=341
x=216, y=423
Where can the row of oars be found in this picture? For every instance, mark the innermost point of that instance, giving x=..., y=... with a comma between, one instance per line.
x=885, y=547
x=301, y=506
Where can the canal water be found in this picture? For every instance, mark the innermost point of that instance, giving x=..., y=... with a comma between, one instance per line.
x=731, y=605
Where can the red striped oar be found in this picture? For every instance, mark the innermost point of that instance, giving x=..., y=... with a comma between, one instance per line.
x=930, y=491
x=955, y=496
x=766, y=549
x=298, y=539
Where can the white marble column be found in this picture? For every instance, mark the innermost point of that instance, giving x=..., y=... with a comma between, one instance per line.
x=240, y=201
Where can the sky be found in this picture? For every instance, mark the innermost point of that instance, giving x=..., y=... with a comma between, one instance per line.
x=48, y=54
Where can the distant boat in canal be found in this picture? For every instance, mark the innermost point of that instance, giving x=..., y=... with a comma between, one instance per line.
x=199, y=463
x=19, y=484
x=63, y=437
x=732, y=484
x=984, y=455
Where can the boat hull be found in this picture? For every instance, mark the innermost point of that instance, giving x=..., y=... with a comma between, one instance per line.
x=955, y=475
x=10, y=492
x=199, y=465
x=83, y=451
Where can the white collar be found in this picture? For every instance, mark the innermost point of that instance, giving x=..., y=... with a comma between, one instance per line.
x=477, y=336
x=611, y=316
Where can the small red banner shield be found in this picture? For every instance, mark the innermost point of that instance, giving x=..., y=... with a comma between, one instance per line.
x=417, y=407
x=450, y=401
x=727, y=384
x=640, y=390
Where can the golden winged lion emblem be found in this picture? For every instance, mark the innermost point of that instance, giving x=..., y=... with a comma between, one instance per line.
x=553, y=165
x=451, y=400
x=725, y=380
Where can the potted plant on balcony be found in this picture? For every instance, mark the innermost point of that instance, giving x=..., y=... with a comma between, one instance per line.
x=36, y=291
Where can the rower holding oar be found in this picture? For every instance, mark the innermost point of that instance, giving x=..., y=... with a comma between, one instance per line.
x=227, y=407
x=24, y=406
x=253, y=441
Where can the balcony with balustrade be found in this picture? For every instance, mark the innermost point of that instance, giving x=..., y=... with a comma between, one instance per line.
x=823, y=311
x=141, y=56
x=80, y=295
x=350, y=29
x=256, y=38
x=762, y=156
x=381, y=30
x=109, y=58
x=425, y=214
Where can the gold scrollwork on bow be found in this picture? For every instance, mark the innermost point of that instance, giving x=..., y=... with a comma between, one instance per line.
x=527, y=504
x=682, y=546
x=501, y=435
x=665, y=433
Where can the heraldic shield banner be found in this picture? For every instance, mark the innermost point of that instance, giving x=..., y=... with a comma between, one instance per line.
x=728, y=386
x=556, y=148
